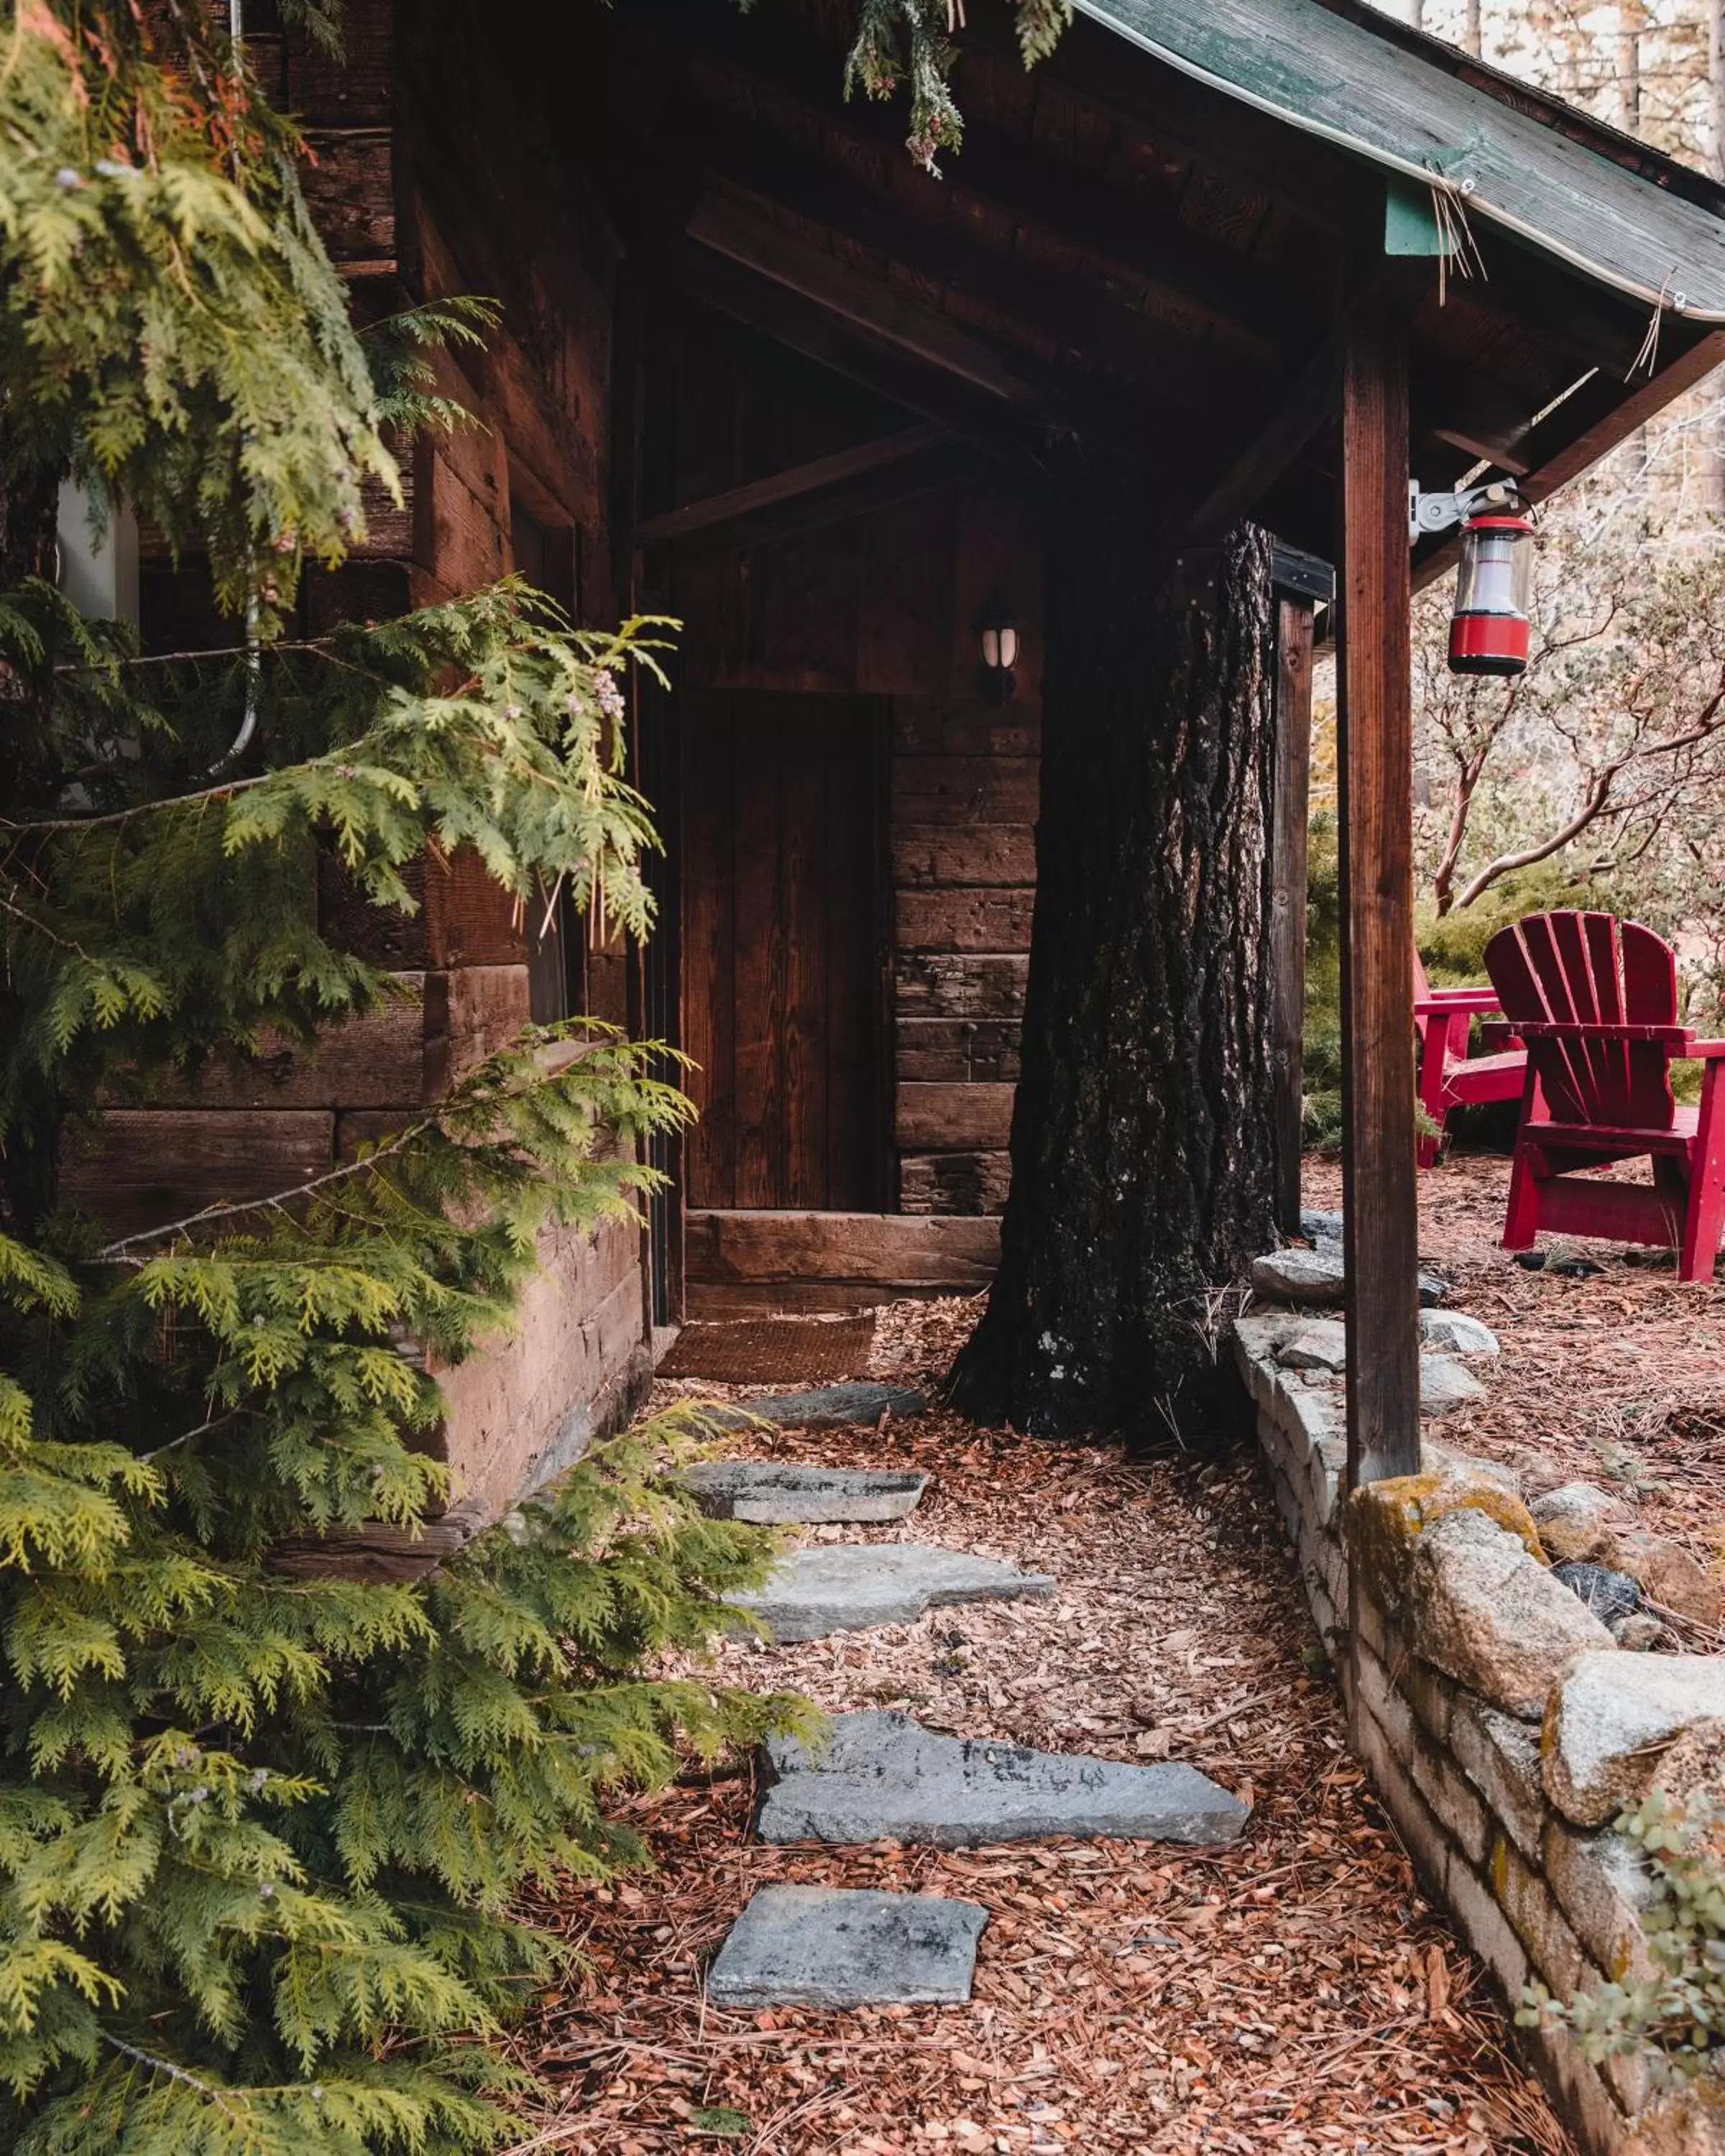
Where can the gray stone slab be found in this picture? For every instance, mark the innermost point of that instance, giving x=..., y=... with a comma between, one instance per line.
x=828, y=1407
x=1456, y=1333
x=839, y=1947
x=1319, y=1277
x=881, y=1777
x=849, y=1588
x=1301, y=1276
x=778, y=1492
x=1320, y=1344
x=1446, y=1384
x=1320, y=1227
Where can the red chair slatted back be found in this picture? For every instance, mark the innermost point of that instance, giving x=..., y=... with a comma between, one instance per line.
x=1422, y=987
x=1592, y=969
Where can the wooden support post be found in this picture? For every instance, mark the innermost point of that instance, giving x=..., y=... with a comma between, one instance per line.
x=1376, y=772
x=1287, y=896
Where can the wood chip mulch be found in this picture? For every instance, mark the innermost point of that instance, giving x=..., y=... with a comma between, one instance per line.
x=1291, y=1992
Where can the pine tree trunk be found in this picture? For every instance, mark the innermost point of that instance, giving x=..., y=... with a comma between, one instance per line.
x=1143, y=1137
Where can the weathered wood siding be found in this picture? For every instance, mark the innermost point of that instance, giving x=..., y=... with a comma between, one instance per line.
x=432, y=165
x=742, y=1262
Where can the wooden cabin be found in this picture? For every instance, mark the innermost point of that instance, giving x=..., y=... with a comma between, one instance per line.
x=760, y=370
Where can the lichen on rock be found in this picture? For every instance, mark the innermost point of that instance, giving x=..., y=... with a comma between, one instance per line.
x=1384, y=1521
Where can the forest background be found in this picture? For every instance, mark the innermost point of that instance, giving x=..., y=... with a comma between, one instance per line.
x=1599, y=777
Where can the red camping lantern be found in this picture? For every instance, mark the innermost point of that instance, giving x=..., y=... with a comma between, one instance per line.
x=1488, y=631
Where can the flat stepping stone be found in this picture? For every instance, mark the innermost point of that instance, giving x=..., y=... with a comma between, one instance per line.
x=881, y=1777
x=828, y=1407
x=850, y=1588
x=845, y=1946
x=773, y=1493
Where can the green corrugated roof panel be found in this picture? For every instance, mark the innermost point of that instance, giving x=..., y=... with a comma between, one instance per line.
x=1338, y=79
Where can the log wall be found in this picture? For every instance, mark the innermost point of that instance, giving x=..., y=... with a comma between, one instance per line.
x=431, y=164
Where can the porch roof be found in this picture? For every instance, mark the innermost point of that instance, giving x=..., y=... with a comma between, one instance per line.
x=1142, y=244
x=1354, y=78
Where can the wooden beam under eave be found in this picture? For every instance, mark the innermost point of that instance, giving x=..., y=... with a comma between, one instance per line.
x=870, y=306
x=803, y=483
x=1604, y=412
x=1193, y=365
x=1375, y=758
x=773, y=309
x=728, y=230
x=776, y=88
x=1601, y=415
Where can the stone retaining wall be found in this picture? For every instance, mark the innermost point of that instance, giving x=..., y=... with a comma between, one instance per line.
x=1503, y=1726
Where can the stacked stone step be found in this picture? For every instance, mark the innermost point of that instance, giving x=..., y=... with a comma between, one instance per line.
x=880, y=1777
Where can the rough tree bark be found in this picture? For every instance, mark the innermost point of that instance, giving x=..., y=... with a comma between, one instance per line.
x=1143, y=1136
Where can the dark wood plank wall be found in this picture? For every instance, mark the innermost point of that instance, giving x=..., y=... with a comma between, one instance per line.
x=888, y=604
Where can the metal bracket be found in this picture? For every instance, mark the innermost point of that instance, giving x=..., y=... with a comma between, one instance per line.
x=1441, y=512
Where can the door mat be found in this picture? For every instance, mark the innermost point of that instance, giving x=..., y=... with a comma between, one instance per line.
x=770, y=1351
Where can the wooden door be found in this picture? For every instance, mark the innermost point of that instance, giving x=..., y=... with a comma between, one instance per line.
x=783, y=944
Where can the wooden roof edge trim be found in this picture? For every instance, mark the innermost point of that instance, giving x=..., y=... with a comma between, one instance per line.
x=1404, y=167
x=1586, y=129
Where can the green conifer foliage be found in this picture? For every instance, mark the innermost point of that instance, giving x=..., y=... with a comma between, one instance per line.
x=913, y=45
x=264, y=1829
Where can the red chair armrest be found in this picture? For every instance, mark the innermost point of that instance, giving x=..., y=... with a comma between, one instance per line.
x=1446, y=1000
x=1700, y=1050
x=1677, y=1040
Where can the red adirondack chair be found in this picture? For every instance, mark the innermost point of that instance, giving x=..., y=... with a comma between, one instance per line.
x=1448, y=1077
x=1596, y=1002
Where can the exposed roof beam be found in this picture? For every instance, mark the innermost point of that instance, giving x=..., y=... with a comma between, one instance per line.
x=1134, y=243
x=783, y=84
x=1471, y=412
x=1015, y=383
x=728, y=230
x=1303, y=406
x=1098, y=326
x=773, y=310
x=1257, y=152
x=823, y=491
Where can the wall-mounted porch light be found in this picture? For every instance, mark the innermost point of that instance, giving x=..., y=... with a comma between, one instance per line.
x=1000, y=655
x=1489, y=627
